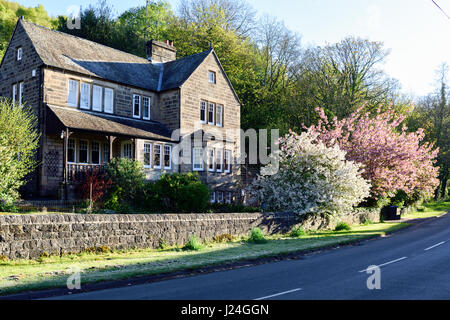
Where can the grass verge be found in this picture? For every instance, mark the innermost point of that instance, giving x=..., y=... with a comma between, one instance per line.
x=51, y=272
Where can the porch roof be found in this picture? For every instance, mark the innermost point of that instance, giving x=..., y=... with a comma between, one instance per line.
x=59, y=118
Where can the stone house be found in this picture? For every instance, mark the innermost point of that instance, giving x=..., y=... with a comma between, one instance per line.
x=95, y=103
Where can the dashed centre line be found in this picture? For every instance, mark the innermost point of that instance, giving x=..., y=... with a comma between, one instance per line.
x=278, y=294
x=384, y=264
x=435, y=246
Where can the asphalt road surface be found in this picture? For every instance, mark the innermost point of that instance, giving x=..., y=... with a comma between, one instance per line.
x=414, y=264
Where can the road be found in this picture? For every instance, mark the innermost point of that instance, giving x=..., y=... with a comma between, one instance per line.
x=414, y=264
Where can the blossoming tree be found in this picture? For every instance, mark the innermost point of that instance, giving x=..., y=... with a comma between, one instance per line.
x=311, y=178
x=393, y=158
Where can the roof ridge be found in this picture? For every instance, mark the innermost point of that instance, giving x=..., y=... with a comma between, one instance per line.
x=192, y=55
x=83, y=39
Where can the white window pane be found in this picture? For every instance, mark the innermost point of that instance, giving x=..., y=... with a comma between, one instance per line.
x=211, y=113
x=97, y=98
x=146, y=114
x=136, y=106
x=157, y=156
x=20, y=93
x=109, y=100
x=147, y=155
x=198, y=159
x=203, y=112
x=219, y=116
x=14, y=93
x=167, y=157
x=85, y=96
x=72, y=98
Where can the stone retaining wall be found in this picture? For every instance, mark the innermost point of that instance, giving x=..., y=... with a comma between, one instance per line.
x=29, y=236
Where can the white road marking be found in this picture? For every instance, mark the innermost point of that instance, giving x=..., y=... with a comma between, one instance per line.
x=435, y=246
x=384, y=264
x=278, y=294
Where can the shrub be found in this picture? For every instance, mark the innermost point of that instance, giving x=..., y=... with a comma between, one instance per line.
x=224, y=238
x=100, y=185
x=19, y=140
x=297, y=232
x=312, y=178
x=177, y=192
x=342, y=226
x=257, y=236
x=7, y=206
x=128, y=178
x=193, y=244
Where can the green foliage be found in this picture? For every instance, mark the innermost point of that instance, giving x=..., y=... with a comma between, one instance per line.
x=231, y=208
x=18, y=143
x=257, y=236
x=223, y=238
x=11, y=11
x=128, y=178
x=176, y=193
x=297, y=232
x=342, y=226
x=194, y=244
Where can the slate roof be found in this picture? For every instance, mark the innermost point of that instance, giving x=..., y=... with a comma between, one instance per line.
x=89, y=121
x=61, y=50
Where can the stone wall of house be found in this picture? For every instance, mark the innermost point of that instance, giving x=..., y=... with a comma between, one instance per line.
x=13, y=72
x=197, y=89
x=28, y=236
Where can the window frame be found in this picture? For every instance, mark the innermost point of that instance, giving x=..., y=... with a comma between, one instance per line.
x=77, y=89
x=220, y=196
x=74, y=151
x=99, y=152
x=214, y=77
x=85, y=85
x=204, y=111
x=19, y=55
x=213, y=163
x=134, y=106
x=219, y=106
x=21, y=87
x=227, y=166
x=87, y=151
x=105, y=90
x=155, y=165
x=212, y=198
x=201, y=163
x=106, y=148
x=93, y=98
x=170, y=157
x=14, y=93
x=228, y=198
x=149, y=108
x=124, y=143
x=150, y=152
x=219, y=165
x=213, y=105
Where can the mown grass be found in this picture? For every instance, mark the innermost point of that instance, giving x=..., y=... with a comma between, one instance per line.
x=51, y=272
x=431, y=209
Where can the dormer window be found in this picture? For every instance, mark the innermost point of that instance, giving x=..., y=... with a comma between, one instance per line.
x=212, y=77
x=19, y=53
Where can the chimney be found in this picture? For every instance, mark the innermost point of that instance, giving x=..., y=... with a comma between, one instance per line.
x=160, y=52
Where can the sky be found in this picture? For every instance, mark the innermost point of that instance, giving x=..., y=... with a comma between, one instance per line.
x=415, y=31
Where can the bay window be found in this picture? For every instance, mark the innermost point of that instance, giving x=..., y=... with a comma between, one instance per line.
x=219, y=160
x=227, y=163
x=197, y=159
x=158, y=164
x=219, y=116
x=95, y=153
x=83, y=154
x=71, y=151
x=211, y=160
x=167, y=157
x=147, y=155
x=211, y=109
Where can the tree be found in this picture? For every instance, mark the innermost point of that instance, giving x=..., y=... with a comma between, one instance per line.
x=312, y=178
x=433, y=114
x=239, y=16
x=11, y=11
x=341, y=77
x=18, y=142
x=393, y=158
